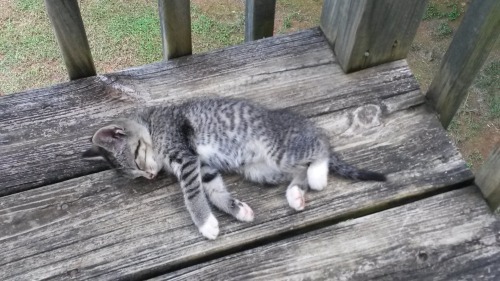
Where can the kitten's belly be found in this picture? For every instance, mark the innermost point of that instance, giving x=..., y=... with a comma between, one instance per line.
x=218, y=159
x=263, y=172
x=252, y=163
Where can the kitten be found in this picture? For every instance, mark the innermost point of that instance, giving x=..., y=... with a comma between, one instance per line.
x=199, y=139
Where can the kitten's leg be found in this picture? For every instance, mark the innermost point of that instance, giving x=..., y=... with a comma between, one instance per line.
x=221, y=198
x=296, y=190
x=187, y=170
x=317, y=174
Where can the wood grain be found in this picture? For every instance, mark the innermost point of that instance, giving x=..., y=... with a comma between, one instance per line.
x=102, y=226
x=70, y=33
x=468, y=50
x=259, y=19
x=365, y=33
x=452, y=236
x=43, y=132
x=175, y=22
x=488, y=179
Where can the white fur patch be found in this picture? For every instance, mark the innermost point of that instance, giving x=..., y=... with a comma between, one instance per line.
x=295, y=198
x=215, y=184
x=206, y=152
x=317, y=175
x=260, y=172
x=246, y=213
x=210, y=229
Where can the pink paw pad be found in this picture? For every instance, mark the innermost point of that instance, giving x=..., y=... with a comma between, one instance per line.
x=295, y=198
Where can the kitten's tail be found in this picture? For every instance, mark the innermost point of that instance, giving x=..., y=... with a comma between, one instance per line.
x=341, y=168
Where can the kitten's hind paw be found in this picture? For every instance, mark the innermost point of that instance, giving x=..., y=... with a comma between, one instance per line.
x=210, y=229
x=245, y=213
x=295, y=198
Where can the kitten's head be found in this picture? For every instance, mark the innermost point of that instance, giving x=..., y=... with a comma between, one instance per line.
x=127, y=147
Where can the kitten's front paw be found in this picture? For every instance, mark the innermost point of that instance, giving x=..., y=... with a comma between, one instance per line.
x=245, y=213
x=210, y=229
x=295, y=198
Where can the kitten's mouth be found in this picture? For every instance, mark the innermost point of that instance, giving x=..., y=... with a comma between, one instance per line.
x=150, y=175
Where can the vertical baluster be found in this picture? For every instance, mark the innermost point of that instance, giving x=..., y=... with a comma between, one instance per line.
x=366, y=33
x=488, y=179
x=70, y=33
x=468, y=50
x=175, y=21
x=259, y=19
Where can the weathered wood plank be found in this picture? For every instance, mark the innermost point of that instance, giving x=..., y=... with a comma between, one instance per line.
x=175, y=22
x=43, y=132
x=452, y=236
x=365, y=33
x=468, y=50
x=488, y=179
x=102, y=226
x=259, y=19
x=70, y=33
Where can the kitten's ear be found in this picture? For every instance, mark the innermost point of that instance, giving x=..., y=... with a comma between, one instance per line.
x=109, y=137
x=92, y=154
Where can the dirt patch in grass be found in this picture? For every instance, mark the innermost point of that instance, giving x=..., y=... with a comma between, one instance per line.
x=6, y=11
x=223, y=10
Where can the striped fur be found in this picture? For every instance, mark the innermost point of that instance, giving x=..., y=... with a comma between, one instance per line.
x=200, y=139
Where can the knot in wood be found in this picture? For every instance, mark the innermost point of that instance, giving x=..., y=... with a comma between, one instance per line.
x=62, y=206
x=368, y=114
x=73, y=273
x=422, y=256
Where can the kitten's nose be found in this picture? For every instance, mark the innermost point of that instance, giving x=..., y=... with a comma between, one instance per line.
x=151, y=175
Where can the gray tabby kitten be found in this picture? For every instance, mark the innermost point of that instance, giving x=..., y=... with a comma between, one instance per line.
x=199, y=139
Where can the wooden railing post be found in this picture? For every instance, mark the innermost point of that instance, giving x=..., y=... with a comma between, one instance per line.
x=488, y=179
x=366, y=33
x=468, y=50
x=259, y=19
x=175, y=21
x=70, y=33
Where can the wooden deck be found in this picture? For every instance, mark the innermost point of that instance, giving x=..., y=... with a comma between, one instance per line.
x=62, y=217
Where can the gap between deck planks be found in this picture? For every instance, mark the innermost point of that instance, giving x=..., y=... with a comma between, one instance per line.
x=43, y=132
x=452, y=236
x=102, y=226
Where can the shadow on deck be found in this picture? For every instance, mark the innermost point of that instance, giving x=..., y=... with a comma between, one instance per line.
x=61, y=217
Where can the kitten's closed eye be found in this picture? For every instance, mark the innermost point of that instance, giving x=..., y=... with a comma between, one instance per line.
x=140, y=156
x=144, y=160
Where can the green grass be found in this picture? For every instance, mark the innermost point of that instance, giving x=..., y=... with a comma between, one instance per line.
x=465, y=126
x=288, y=19
x=129, y=31
x=432, y=12
x=451, y=11
x=143, y=30
x=443, y=30
x=27, y=48
x=210, y=33
x=31, y=38
x=473, y=159
x=29, y=5
x=489, y=82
